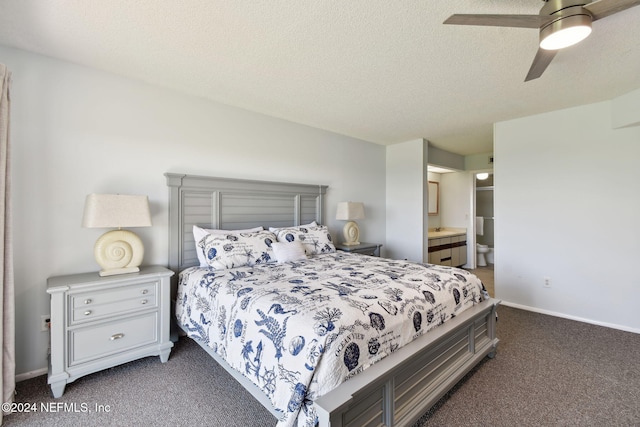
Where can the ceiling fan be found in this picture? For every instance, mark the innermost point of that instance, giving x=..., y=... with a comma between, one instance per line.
x=562, y=23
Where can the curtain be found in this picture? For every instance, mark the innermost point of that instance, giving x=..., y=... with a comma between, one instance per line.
x=7, y=309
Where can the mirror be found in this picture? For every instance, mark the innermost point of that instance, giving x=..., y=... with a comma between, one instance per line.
x=434, y=197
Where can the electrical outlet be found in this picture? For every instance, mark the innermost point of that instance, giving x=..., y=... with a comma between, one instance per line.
x=45, y=322
x=547, y=282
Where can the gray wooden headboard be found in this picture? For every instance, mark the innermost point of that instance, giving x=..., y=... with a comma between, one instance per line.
x=230, y=204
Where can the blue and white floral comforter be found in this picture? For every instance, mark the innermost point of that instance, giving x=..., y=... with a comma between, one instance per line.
x=299, y=329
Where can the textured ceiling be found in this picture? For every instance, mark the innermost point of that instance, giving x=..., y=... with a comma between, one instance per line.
x=383, y=71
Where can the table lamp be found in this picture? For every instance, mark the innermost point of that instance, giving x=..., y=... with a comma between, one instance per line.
x=117, y=251
x=349, y=211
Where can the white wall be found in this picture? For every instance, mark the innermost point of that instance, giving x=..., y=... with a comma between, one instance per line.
x=407, y=199
x=625, y=110
x=76, y=131
x=457, y=201
x=445, y=159
x=478, y=162
x=567, y=206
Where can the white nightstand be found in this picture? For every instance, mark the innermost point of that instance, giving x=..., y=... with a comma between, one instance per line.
x=372, y=249
x=99, y=322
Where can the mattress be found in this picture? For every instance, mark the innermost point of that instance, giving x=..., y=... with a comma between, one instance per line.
x=299, y=329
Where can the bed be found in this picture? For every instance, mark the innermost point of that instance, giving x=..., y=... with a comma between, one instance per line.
x=335, y=338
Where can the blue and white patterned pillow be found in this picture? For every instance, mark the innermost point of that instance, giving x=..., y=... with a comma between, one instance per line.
x=238, y=249
x=200, y=233
x=315, y=239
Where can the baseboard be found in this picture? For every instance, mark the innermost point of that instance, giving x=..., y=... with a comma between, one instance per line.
x=567, y=316
x=31, y=374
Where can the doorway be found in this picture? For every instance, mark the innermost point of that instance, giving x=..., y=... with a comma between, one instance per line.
x=484, y=228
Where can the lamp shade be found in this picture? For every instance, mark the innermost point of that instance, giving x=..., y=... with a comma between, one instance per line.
x=115, y=211
x=348, y=211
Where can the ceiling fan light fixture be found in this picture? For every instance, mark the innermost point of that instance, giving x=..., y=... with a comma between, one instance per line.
x=565, y=32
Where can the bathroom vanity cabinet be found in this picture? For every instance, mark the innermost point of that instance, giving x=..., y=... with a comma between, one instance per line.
x=448, y=248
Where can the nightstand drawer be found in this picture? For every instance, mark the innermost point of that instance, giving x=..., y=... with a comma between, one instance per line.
x=371, y=249
x=87, y=314
x=86, y=299
x=94, y=342
x=96, y=305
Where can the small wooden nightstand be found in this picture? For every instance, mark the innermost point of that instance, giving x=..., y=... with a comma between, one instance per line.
x=100, y=322
x=372, y=249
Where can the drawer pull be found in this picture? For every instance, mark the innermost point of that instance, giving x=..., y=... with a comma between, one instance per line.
x=116, y=336
x=87, y=301
x=144, y=301
x=88, y=312
x=145, y=291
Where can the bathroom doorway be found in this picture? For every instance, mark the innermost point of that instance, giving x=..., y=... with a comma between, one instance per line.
x=484, y=227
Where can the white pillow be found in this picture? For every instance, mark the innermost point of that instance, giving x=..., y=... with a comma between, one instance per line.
x=199, y=233
x=230, y=250
x=315, y=239
x=288, y=251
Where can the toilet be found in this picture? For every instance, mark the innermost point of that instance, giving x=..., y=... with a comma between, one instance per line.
x=481, y=250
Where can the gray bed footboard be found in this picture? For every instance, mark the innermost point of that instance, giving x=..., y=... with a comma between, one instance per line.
x=399, y=389
x=402, y=387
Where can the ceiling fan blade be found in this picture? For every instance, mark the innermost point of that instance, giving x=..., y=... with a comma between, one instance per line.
x=540, y=63
x=521, y=21
x=603, y=8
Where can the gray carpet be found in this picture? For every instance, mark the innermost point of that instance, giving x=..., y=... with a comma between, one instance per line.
x=548, y=372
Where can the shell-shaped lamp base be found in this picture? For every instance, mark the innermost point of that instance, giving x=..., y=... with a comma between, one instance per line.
x=118, y=252
x=351, y=233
